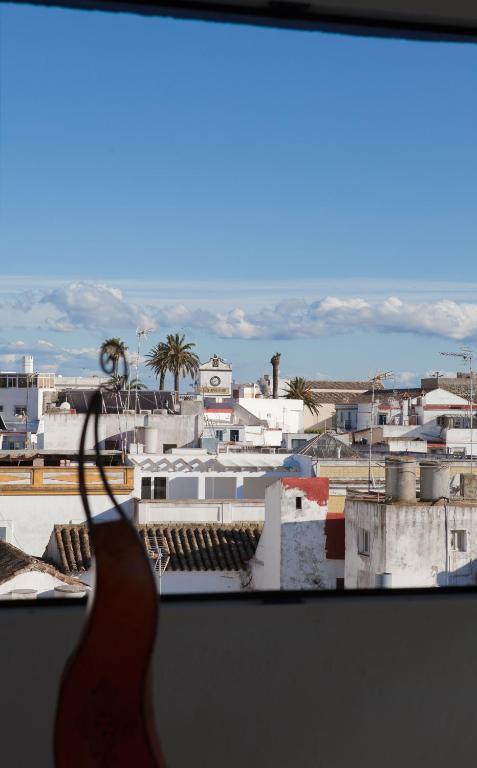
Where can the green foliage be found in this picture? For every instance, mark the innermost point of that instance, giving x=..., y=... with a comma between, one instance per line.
x=174, y=355
x=300, y=389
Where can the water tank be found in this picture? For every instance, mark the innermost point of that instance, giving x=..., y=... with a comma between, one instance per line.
x=435, y=482
x=149, y=439
x=384, y=580
x=27, y=363
x=70, y=590
x=391, y=467
x=401, y=479
x=23, y=594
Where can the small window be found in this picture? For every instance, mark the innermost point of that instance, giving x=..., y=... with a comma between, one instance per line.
x=299, y=502
x=167, y=447
x=234, y=435
x=146, y=488
x=20, y=410
x=458, y=541
x=363, y=541
x=219, y=434
x=1, y=408
x=382, y=419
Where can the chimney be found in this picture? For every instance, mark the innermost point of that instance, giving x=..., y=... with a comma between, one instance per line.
x=275, y=361
x=27, y=363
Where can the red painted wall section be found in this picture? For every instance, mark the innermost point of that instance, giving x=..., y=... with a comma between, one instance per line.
x=315, y=488
x=335, y=536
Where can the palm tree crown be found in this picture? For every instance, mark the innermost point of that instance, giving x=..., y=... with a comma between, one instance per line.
x=114, y=348
x=158, y=361
x=174, y=355
x=300, y=389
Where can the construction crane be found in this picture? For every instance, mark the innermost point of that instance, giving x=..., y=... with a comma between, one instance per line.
x=376, y=379
x=466, y=354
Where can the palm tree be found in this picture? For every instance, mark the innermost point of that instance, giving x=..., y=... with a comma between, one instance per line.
x=115, y=348
x=173, y=355
x=158, y=361
x=275, y=361
x=136, y=384
x=300, y=389
x=116, y=382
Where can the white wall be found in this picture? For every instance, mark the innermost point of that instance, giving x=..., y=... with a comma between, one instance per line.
x=291, y=553
x=43, y=583
x=282, y=413
x=409, y=541
x=62, y=431
x=34, y=516
x=200, y=511
x=460, y=439
x=193, y=582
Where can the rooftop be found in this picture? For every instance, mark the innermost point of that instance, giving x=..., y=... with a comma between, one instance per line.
x=191, y=546
x=14, y=561
x=337, y=385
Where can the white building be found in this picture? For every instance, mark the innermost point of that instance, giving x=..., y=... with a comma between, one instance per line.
x=215, y=379
x=195, y=557
x=198, y=475
x=25, y=577
x=302, y=544
x=440, y=418
x=281, y=413
x=235, y=426
x=419, y=544
x=35, y=498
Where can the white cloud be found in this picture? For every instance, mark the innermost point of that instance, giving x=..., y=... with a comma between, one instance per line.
x=406, y=378
x=103, y=308
x=92, y=305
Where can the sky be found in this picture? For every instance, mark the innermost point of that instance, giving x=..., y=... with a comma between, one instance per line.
x=259, y=190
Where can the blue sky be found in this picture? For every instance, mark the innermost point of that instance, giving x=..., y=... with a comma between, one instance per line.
x=257, y=189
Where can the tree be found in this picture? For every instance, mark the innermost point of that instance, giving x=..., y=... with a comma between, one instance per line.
x=300, y=389
x=158, y=361
x=114, y=348
x=174, y=355
x=116, y=382
x=275, y=361
x=136, y=384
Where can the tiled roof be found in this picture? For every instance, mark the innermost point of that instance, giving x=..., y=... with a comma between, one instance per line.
x=338, y=398
x=14, y=561
x=383, y=395
x=192, y=546
x=357, y=386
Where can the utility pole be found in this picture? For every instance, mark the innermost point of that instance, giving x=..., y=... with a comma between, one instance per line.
x=467, y=355
x=377, y=379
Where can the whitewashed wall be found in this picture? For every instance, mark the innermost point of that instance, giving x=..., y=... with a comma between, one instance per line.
x=62, y=431
x=33, y=516
x=409, y=541
x=200, y=511
x=43, y=583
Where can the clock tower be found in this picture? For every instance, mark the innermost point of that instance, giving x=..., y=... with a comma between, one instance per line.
x=215, y=378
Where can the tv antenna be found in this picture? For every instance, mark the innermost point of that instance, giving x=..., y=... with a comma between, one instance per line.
x=376, y=379
x=467, y=355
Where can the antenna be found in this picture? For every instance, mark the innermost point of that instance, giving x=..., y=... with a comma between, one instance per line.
x=141, y=333
x=467, y=355
x=376, y=379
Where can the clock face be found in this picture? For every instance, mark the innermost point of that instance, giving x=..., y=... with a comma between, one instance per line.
x=214, y=381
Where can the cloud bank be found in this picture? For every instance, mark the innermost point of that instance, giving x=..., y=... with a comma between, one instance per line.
x=89, y=306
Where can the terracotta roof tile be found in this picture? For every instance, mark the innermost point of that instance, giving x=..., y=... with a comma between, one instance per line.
x=14, y=561
x=357, y=386
x=191, y=546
